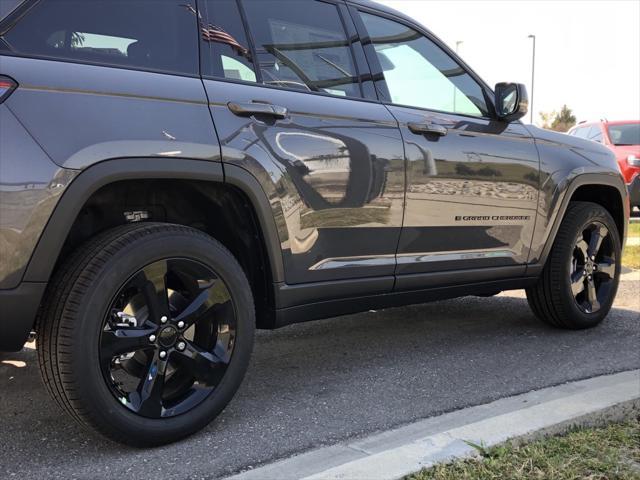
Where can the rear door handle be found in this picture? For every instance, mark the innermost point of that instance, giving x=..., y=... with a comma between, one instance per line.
x=250, y=109
x=422, y=128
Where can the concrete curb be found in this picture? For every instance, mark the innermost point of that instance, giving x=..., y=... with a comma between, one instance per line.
x=402, y=451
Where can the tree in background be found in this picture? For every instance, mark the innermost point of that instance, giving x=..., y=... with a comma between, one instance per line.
x=560, y=122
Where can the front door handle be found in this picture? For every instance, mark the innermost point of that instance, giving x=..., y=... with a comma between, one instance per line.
x=250, y=109
x=424, y=128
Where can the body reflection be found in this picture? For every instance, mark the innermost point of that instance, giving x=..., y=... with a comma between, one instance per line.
x=334, y=173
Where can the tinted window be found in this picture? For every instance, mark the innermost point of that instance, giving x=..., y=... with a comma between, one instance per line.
x=302, y=44
x=149, y=34
x=225, y=47
x=420, y=74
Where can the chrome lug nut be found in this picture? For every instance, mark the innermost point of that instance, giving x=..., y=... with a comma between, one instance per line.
x=180, y=324
x=595, y=267
x=163, y=354
x=584, y=273
x=163, y=319
x=593, y=257
x=590, y=277
x=152, y=338
x=181, y=346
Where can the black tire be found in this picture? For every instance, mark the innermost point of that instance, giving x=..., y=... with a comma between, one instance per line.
x=570, y=269
x=78, y=311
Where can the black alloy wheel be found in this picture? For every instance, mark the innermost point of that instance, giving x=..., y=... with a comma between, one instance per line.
x=146, y=332
x=168, y=338
x=579, y=281
x=593, y=267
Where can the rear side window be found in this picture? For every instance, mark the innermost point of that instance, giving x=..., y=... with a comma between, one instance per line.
x=225, y=48
x=148, y=34
x=302, y=45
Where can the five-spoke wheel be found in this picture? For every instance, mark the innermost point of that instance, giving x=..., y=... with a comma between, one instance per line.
x=168, y=338
x=147, y=332
x=593, y=267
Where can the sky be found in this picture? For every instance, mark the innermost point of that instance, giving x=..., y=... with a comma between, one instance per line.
x=587, y=51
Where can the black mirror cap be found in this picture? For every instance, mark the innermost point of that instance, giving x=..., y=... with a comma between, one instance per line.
x=511, y=101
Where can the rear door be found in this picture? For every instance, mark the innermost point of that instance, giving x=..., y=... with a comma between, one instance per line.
x=472, y=182
x=293, y=105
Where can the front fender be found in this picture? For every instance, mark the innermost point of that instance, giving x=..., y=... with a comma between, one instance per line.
x=553, y=206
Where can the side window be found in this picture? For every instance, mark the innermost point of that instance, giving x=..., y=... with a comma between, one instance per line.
x=582, y=132
x=420, y=74
x=225, y=49
x=595, y=134
x=148, y=34
x=302, y=44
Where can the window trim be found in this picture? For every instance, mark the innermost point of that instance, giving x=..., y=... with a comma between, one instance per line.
x=374, y=64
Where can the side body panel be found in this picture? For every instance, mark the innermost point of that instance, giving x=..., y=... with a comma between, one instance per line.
x=103, y=112
x=333, y=171
x=30, y=187
x=471, y=194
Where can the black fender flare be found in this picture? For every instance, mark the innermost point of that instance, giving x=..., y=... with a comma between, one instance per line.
x=93, y=178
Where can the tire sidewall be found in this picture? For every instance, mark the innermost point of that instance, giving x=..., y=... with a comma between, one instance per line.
x=88, y=322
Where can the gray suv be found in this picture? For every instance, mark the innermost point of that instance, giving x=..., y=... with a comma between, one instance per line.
x=177, y=173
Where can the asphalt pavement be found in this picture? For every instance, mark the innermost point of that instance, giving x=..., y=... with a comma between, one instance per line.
x=325, y=382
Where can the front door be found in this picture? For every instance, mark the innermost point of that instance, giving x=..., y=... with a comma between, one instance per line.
x=472, y=181
x=288, y=105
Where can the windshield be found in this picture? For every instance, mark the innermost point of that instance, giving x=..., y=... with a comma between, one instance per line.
x=625, y=134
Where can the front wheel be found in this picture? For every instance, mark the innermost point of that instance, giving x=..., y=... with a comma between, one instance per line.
x=146, y=333
x=580, y=279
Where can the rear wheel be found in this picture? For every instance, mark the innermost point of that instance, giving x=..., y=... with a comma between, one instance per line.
x=580, y=280
x=147, y=332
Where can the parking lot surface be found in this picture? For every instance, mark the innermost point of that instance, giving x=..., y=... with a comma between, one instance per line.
x=327, y=381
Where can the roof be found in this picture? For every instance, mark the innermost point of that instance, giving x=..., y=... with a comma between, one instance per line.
x=587, y=123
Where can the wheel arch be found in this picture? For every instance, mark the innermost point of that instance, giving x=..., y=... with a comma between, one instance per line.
x=607, y=190
x=211, y=178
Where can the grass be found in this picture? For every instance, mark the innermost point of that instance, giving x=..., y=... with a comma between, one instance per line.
x=607, y=453
x=631, y=256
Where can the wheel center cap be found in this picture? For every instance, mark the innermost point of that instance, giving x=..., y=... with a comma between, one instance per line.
x=167, y=337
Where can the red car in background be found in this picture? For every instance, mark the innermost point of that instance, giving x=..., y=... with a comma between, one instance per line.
x=623, y=137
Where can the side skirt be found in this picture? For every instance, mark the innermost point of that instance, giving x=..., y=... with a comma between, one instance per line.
x=344, y=306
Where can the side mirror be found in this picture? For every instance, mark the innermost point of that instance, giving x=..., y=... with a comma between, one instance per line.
x=512, y=101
